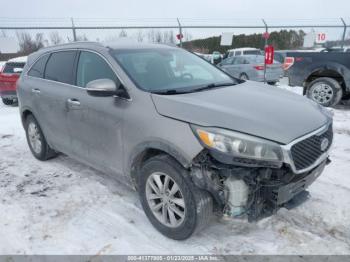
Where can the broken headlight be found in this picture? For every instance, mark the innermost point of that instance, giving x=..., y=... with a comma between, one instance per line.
x=238, y=144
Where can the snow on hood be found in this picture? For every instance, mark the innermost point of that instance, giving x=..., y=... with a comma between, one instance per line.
x=251, y=108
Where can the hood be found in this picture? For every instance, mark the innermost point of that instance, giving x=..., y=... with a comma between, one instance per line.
x=252, y=108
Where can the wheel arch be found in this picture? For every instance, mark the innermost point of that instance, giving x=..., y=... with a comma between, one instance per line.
x=146, y=150
x=334, y=72
x=25, y=112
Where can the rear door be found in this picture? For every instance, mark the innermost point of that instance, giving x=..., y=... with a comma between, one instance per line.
x=50, y=102
x=95, y=123
x=235, y=68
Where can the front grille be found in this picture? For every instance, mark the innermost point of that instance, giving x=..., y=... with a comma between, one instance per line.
x=307, y=151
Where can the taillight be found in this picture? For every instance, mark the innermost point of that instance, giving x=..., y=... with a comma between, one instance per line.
x=259, y=67
x=288, y=62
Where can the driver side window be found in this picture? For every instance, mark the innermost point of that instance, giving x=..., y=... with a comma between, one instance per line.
x=92, y=67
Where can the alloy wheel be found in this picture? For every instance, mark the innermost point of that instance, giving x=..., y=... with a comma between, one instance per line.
x=322, y=93
x=165, y=199
x=34, y=137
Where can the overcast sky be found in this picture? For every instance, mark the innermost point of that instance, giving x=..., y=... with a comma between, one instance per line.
x=177, y=8
x=282, y=11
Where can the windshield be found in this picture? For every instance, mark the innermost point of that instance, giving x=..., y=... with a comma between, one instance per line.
x=169, y=69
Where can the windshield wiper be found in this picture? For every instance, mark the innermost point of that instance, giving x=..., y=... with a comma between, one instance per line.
x=169, y=92
x=202, y=88
x=210, y=86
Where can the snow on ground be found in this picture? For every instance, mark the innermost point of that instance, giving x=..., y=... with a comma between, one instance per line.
x=63, y=207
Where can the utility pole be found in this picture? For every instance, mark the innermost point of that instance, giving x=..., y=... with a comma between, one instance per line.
x=266, y=38
x=180, y=32
x=344, y=32
x=73, y=28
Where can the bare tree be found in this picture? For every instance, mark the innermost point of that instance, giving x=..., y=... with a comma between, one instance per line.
x=55, y=38
x=82, y=38
x=187, y=36
x=140, y=36
x=3, y=33
x=151, y=36
x=171, y=37
x=123, y=33
x=27, y=44
x=159, y=38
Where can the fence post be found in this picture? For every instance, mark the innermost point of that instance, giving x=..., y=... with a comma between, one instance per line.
x=266, y=39
x=180, y=31
x=344, y=32
x=73, y=28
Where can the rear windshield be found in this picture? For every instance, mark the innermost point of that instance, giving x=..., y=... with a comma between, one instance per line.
x=9, y=67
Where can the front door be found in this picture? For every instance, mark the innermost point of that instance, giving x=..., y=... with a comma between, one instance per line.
x=95, y=123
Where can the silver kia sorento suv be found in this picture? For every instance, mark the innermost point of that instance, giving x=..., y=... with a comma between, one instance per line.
x=188, y=137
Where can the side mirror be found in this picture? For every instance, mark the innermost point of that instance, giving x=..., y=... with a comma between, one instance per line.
x=18, y=70
x=101, y=87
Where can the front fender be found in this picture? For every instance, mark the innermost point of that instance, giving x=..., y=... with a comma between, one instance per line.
x=157, y=144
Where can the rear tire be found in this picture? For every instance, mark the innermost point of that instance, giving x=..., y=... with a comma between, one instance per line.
x=325, y=91
x=244, y=77
x=8, y=101
x=193, y=207
x=36, y=140
x=272, y=83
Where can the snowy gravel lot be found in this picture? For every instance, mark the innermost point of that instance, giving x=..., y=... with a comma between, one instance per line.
x=63, y=207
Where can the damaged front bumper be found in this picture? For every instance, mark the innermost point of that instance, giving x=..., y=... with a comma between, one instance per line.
x=268, y=188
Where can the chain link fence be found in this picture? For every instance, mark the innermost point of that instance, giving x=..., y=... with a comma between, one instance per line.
x=202, y=36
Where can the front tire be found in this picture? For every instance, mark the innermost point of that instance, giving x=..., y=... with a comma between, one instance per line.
x=174, y=206
x=36, y=140
x=325, y=91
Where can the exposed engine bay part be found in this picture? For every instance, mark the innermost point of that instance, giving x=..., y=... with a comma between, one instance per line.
x=236, y=194
x=251, y=192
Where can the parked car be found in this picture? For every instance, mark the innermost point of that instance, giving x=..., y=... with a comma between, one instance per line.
x=337, y=49
x=325, y=76
x=251, y=67
x=243, y=51
x=191, y=139
x=9, y=75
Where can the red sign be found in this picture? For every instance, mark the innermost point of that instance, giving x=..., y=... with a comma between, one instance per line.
x=266, y=35
x=321, y=38
x=179, y=36
x=269, y=54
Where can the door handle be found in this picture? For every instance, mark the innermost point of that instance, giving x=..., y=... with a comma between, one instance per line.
x=73, y=103
x=36, y=90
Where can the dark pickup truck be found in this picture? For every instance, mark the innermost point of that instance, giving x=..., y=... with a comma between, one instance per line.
x=324, y=76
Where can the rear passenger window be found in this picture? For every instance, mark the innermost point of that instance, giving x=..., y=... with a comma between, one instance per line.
x=60, y=67
x=238, y=61
x=38, y=68
x=92, y=67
